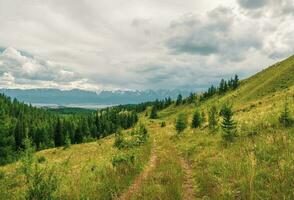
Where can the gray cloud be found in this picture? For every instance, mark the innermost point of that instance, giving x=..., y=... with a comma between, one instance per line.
x=216, y=33
x=267, y=8
x=252, y=4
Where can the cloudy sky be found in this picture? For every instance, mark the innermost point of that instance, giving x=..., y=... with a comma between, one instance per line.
x=139, y=44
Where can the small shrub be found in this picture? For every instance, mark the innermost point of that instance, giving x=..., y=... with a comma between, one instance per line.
x=2, y=174
x=123, y=159
x=88, y=139
x=41, y=183
x=41, y=159
x=139, y=136
x=67, y=142
x=163, y=124
x=142, y=134
x=119, y=141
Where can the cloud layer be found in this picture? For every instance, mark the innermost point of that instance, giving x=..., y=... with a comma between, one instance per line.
x=146, y=44
x=21, y=70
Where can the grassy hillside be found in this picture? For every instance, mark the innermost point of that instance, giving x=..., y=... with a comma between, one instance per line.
x=195, y=164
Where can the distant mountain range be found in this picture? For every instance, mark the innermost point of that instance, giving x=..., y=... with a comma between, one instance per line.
x=88, y=99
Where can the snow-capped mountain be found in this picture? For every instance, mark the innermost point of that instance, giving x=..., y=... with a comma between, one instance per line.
x=83, y=97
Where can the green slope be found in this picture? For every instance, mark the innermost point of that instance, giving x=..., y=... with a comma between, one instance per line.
x=275, y=78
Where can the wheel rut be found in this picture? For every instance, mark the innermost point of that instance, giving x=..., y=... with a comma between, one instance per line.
x=143, y=176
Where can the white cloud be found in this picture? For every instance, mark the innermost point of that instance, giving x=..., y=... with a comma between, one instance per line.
x=25, y=72
x=6, y=79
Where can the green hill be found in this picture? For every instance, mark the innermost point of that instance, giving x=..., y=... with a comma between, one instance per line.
x=194, y=164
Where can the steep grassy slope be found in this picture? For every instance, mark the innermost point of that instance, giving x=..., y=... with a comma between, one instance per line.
x=257, y=165
x=273, y=79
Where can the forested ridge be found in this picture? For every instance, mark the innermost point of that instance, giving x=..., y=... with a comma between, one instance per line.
x=47, y=128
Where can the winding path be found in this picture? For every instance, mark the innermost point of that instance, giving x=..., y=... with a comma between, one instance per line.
x=188, y=183
x=138, y=181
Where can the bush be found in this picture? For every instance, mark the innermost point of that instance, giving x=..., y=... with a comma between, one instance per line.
x=41, y=183
x=119, y=141
x=2, y=174
x=139, y=136
x=163, y=124
x=123, y=159
x=67, y=142
x=41, y=159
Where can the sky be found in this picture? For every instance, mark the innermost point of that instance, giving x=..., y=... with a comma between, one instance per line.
x=140, y=44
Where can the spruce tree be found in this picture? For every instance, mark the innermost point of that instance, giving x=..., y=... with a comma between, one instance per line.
x=153, y=114
x=78, y=138
x=228, y=125
x=67, y=142
x=203, y=116
x=181, y=123
x=236, y=82
x=59, y=138
x=285, y=117
x=19, y=132
x=6, y=140
x=221, y=88
x=179, y=100
x=191, y=98
x=212, y=118
x=197, y=119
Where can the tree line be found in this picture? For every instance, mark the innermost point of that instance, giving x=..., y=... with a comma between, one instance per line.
x=46, y=129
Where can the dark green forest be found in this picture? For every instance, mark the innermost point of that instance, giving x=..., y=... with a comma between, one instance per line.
x=47, y=128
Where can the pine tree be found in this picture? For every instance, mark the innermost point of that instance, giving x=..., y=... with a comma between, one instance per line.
x=236, y=82
x=19, y=132
x=222, y=87
x=78, y=135
x=197, y=119
x=59, y=137
x=67, y=142
x=285, y=117
x=212, y=118
x=153, y=114
x=179, y=100
x=203, y=116
x=191, y=98
x=6, y=140
x=181, y=123
x=228, y=125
